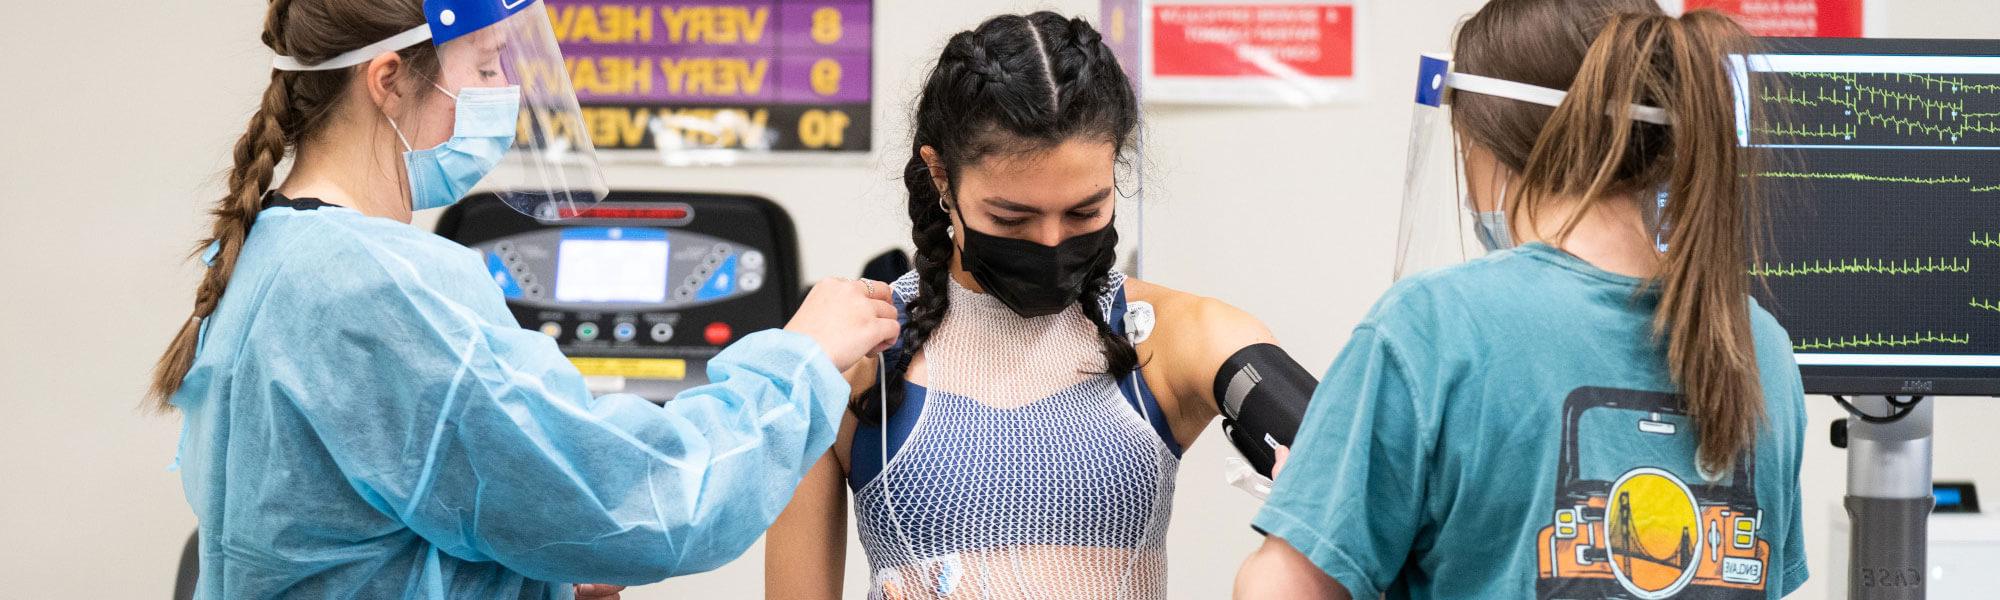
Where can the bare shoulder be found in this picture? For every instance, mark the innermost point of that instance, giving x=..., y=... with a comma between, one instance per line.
x=1192, y=336
x=1184, y=316
x=1138, y=290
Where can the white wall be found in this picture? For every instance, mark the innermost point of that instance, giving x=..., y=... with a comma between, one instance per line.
x=119, y=119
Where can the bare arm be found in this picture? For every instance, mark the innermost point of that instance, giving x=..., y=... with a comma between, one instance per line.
x=1222, y=330
x=861, y=377
x=1194, y=335
x=1276, y=570
x=805, y=552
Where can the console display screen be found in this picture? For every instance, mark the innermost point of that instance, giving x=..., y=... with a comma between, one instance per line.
x=612, y=265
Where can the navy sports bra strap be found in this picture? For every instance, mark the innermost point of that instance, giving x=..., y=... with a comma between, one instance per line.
x=1140, y=399
x=865, y=458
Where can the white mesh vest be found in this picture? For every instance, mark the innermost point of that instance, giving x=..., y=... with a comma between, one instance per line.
x=1027, y=474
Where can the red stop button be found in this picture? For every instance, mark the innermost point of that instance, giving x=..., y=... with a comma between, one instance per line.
x=718, y=333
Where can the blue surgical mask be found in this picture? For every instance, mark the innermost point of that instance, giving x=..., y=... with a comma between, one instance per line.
x=1493, y=232
x=482, y=133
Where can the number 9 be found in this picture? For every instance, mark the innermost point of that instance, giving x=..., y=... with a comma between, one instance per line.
x=826, y=77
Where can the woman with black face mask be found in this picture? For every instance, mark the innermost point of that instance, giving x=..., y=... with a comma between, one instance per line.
x=1022, y=439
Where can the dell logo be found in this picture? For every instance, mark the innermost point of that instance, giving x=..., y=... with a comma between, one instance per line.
x=1918, y=385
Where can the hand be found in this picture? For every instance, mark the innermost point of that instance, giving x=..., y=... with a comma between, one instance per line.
x=849, y=319
x=598, y=591
x=1279, y=464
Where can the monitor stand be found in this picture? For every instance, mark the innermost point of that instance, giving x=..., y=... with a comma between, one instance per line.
x=1889, y=500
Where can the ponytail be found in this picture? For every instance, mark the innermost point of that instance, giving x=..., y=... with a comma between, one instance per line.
x=1590, y=149
x=1704, y=311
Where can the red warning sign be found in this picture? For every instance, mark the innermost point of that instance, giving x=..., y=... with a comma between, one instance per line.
x=1792, y=18
x=1253, y=40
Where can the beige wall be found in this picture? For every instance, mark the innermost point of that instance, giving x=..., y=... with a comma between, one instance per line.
x=120, y=117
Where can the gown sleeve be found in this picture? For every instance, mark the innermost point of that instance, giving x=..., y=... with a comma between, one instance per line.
x=481, y=437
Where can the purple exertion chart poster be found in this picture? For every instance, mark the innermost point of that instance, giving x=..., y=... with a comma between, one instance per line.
x=1120, y=22
x=770, y=76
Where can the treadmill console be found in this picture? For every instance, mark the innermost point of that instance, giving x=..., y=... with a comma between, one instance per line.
x=641, y=290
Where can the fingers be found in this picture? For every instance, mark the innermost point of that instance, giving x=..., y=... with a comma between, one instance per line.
x=1283, y=453
x=847, y=331
x=871, y=289
x=874, y=289
x=884, y=310
x=886, y=330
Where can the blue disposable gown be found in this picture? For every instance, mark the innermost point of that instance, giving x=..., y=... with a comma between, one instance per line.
x=365, y=419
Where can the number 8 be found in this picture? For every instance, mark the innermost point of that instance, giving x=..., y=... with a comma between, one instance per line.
x=826, y=25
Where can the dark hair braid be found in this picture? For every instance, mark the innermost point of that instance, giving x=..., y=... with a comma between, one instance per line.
x=1014, y=84
x=295, y=106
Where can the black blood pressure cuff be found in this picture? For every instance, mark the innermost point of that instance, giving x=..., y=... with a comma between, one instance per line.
x=1262, y=394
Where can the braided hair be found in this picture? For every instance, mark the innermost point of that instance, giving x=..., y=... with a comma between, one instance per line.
x=295, y=107
x=1015, y=84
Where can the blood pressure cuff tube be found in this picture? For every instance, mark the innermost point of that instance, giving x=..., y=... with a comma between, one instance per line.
x=1263, y=394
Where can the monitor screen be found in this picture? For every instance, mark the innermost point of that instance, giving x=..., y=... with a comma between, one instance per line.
x=612, y=265
x=1882, y=180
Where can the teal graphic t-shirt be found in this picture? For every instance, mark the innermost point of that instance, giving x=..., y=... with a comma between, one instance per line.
x=1507, y=428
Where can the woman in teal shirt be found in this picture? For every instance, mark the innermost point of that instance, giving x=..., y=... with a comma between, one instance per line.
x=1585, y=415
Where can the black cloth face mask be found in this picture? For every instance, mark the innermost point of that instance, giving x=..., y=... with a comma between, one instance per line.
x=1035, y=280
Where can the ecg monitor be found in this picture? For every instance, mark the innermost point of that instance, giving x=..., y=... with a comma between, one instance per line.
x=1882, y=184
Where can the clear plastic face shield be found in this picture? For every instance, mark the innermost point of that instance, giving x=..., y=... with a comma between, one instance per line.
x=534, y=153
x=1441, y=224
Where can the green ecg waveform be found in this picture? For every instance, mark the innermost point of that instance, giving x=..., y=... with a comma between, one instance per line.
x=1986, y=304
x=1986, y=240
x=1799, y=98
x=1863, y=266
x=1857, y=94
x=1871, y=106
x=1866, y=178
x=1990, y=188
x=1943, y=133
x=1818, y=130
x=1877, y=340
x=1930, y=83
